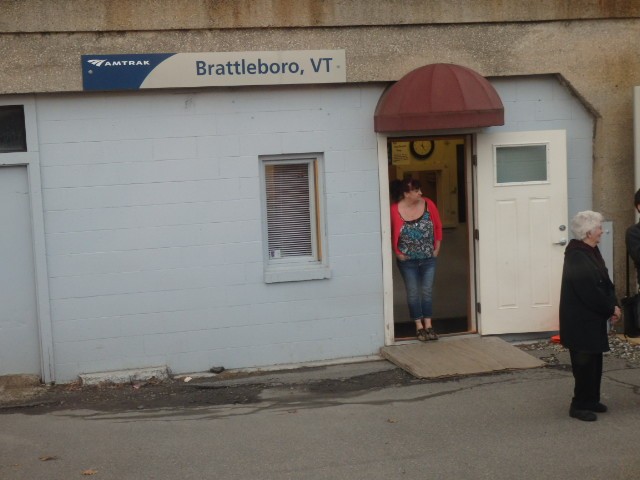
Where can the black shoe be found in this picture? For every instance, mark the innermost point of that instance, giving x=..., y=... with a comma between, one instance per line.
x=599, y=408
x=584, y=415
x=431, y=334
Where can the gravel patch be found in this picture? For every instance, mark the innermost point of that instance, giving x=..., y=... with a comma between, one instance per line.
x=621, y=348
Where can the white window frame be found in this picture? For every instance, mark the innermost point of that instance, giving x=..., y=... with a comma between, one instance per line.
x=496, y=183
x=298, y=268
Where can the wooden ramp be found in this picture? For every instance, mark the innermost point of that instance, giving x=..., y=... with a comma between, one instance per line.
x=458, y=356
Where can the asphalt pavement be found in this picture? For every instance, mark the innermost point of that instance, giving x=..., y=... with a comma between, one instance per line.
x=512, y=425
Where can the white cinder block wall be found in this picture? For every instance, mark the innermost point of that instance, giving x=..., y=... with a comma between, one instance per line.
x=154, y=231
x=153, y=221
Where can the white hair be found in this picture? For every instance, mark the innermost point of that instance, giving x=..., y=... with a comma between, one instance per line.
x=584, y=222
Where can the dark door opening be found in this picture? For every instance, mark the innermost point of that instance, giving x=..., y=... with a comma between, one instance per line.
x=440, y=165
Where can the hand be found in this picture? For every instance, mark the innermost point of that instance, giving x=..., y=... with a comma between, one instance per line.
x=401, y=256
x=617, y=314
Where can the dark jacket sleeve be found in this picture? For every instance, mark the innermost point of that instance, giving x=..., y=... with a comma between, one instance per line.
x=632, y=239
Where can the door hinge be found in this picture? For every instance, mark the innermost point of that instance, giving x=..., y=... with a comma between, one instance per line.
x=474, y=159
x=478, y=308
x=476, y=234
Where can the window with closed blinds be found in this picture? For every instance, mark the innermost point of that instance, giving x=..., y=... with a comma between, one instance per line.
x=289, y=202
x=294, y=229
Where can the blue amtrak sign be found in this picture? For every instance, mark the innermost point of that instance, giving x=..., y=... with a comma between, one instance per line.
x=181, y=70
x=118, y=72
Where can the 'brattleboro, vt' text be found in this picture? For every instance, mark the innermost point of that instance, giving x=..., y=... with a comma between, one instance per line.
x=243, y=67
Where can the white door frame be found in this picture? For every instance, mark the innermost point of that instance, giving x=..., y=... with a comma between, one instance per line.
x=472, y=204
x=31, y=159
x=385, y=229
x=385, y=223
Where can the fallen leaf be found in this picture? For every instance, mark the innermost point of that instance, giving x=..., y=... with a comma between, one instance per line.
x=46, y=458
x=90, y=471
x=391, y=420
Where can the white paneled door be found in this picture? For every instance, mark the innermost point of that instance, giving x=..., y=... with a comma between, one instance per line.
x=523, y=229
x=19, y=338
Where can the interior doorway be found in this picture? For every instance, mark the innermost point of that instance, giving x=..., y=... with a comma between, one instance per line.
x=442, y=167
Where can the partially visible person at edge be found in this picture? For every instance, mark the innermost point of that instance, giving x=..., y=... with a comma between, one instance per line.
x=632, y=238
x=416, y=232
x=587, y=302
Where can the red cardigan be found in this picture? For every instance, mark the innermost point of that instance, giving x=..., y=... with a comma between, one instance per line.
x=397, y=222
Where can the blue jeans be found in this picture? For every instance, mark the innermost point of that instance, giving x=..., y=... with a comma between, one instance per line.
x=418, y=280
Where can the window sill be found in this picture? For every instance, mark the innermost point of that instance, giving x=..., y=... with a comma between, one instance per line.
x=297, y=274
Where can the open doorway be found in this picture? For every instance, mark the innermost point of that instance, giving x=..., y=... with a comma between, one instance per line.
x=440, y=164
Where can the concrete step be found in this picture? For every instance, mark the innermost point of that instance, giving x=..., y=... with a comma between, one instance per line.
x=125, y=376
x=19, y=381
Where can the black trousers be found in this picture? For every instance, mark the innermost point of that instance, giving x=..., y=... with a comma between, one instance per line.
x=587, y=373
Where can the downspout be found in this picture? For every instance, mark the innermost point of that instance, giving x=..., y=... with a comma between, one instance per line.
x=636, y=140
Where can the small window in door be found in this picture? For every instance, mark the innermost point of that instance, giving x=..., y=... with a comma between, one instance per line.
x=13, y=136
x=517, y=164
x=295, y=243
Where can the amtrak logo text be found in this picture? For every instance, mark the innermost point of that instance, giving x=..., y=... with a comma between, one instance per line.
x=118, y=63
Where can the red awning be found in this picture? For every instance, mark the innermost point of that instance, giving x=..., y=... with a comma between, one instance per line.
x=436, y=97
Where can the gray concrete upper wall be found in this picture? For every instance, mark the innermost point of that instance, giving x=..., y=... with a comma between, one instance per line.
x=597, y=57
x=127, y=15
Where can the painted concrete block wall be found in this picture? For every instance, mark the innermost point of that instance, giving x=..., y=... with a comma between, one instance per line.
x=543, y=103
x=154, y=234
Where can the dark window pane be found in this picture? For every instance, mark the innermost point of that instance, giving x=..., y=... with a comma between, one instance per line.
x=13, y=136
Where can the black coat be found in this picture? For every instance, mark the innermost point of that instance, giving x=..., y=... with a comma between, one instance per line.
x=587, y=299
x=632, y=240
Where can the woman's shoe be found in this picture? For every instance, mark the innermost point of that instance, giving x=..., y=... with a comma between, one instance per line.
x=422, y=335
x=431, y=334
x=584, y=415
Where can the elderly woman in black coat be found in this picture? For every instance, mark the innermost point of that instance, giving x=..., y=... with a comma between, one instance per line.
x=587, y=302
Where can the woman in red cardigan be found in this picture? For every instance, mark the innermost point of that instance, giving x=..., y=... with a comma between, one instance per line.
x=416, y=238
